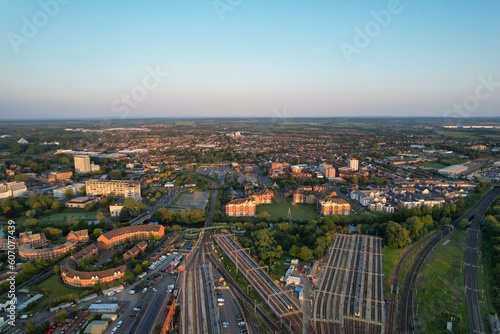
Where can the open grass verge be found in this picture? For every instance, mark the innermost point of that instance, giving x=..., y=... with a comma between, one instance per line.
x=279, y=209
x=57, y=290
x=390, y=257
x=440, y=288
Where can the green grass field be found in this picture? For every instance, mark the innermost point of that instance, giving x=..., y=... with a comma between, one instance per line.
x=485, y=278
x=279, y=209
x=391, y=256
x=432, y=164
x=57, y=290
x=67, y=215
x=440, y=288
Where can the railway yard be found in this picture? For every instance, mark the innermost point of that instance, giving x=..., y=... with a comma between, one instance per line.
x=279, y=300
x=350, y=295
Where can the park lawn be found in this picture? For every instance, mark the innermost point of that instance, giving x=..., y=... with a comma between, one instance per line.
x=432, y=164
x=57, y=290
x=390, y=257
x=279, y=209
x=440, y=288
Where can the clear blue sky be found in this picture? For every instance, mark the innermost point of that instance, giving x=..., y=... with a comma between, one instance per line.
x=263, y=55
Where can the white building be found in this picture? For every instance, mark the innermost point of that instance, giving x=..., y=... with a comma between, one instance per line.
x=127, y=189
x=454, y=170
x=353, y=164
x=60, y=193
x=12, y=189
x=83, y=165
x=116, y=208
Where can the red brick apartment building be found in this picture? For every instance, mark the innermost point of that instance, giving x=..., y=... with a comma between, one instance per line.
x=330, y=206
x=241, y=207
x=81, y=236
x=263, y=197
x=88, y=279
x=29, y=252
x=85, y=253
x=34, y=240
x=140, y=247
x=115, y=237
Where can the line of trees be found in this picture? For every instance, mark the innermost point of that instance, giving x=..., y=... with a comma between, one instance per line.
x=491, y=234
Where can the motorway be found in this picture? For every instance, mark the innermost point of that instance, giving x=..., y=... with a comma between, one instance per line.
x=407, y=304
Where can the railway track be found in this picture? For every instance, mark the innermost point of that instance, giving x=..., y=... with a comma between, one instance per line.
x=350, y=298
x=283, y=306
x=407, y=304
x=239, y=293
x=393, y=299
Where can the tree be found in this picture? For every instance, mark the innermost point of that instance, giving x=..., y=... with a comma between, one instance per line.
x=101, y=216
x=138, y=270
x=115, y=174
x=264, y=216
x=53, y=233
x=305, y=253
x=396, y=236
x=128, y=277
x=29, y=269
x=68, y=193
x=31, y=327
x=464, y=223
x=57, y=270
x=145, y=265
x=294, y=251
x=82, y=190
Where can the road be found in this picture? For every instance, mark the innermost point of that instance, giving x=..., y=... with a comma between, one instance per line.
x=164, y=201
x=348, y=199
x=407, y=314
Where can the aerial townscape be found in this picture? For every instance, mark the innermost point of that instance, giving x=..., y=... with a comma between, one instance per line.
x=222, y=226
x=262, y=167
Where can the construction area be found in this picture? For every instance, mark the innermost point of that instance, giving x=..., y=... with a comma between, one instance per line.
x=351, y=288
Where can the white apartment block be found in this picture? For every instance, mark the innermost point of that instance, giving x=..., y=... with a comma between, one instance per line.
x=12, y=189
x=127, y=189
x=327, y=170
x=353, y=164
x=83, y=165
